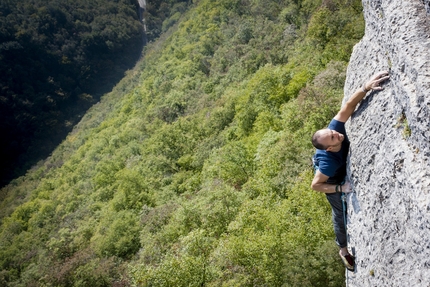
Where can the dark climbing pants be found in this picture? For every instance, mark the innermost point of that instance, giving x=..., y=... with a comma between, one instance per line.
x=335, y=200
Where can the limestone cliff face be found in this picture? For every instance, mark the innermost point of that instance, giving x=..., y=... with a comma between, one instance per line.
x=389, y=213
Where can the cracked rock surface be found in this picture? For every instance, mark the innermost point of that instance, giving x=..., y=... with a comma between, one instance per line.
x=389, y=164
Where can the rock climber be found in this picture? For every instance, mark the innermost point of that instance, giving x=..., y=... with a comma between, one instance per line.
x=330, y=158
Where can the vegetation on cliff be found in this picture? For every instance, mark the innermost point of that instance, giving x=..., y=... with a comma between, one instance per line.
x=195, y=169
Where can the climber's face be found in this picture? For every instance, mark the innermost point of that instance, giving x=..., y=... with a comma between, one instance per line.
x=331, y=139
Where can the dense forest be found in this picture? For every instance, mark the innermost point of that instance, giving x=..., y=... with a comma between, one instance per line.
x=195, y=169
x=56, y=59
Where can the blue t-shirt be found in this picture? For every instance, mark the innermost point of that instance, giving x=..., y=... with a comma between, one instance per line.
x=333, y=164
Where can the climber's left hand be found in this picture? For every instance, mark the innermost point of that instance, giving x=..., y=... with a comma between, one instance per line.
x=376, y=80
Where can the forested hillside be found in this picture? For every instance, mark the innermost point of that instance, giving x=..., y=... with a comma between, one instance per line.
x=56, y=59
x=195, y=169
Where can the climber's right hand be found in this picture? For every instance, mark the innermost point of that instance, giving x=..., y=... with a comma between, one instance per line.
x=346, y=187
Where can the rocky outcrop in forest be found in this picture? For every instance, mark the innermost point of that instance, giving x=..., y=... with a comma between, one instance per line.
x=389, y=213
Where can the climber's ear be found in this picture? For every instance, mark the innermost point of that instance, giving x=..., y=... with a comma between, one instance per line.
x=330, y=148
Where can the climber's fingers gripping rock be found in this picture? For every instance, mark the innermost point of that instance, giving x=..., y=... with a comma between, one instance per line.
x=376, y=80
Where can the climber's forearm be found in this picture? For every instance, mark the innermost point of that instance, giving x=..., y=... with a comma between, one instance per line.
x=349, y=107
x=355, y=99
x=324, y=187
x=332, y=188
x=319, y=183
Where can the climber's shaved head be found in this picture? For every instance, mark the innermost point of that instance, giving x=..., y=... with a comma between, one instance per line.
x=327, y=139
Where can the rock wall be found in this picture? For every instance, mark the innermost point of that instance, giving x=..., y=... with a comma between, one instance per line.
x=389, y=167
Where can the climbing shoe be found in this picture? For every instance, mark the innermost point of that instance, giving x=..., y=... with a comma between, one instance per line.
x=349, y=261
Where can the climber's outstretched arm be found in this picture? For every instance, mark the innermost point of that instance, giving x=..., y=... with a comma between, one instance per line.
x=373, y=84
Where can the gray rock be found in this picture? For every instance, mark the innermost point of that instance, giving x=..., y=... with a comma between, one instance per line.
x=389, y=167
